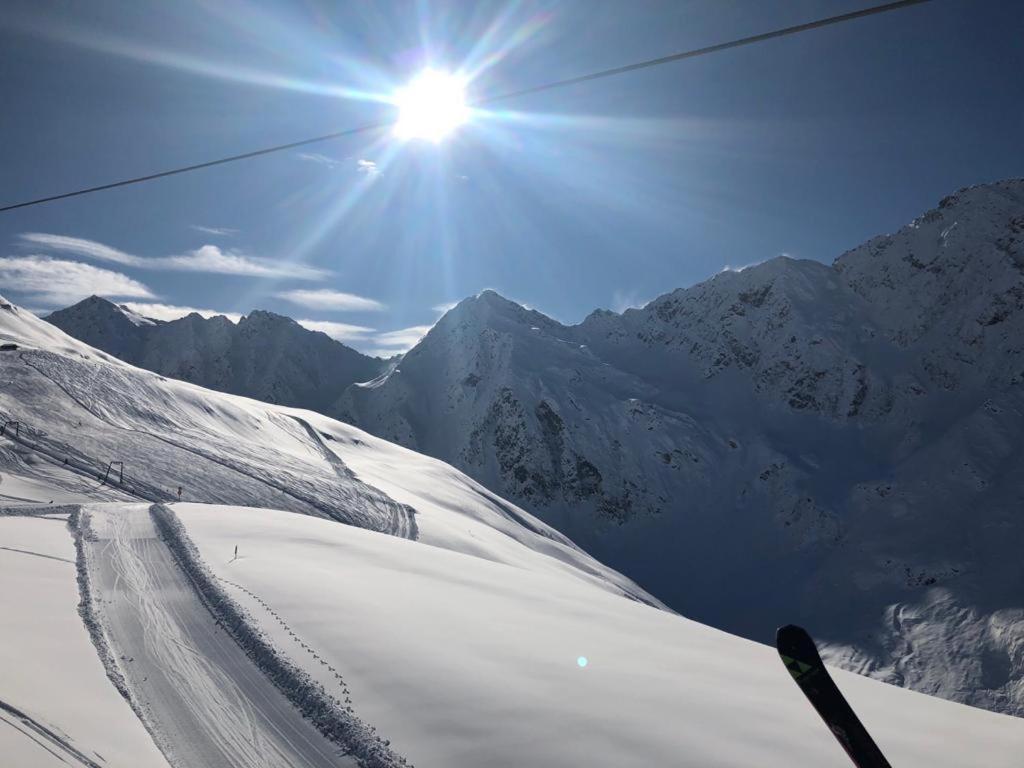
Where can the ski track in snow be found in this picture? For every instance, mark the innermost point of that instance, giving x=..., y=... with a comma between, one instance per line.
x=291, y=633
x=403, y=517
x=58, y=745
x=376, y=510
x=37, y=554
x=69, y=458
x=204, y=700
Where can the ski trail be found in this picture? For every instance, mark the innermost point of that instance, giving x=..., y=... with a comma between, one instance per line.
x=37, y=554
x=68, y=458
x=352, y=501
x=203, y=699
x=56, y=744
x=402, y=517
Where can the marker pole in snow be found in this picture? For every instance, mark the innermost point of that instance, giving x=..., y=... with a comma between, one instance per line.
x=120, y=470
x=800, y=655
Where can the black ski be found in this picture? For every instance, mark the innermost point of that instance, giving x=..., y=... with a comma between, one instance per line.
x=801, y=658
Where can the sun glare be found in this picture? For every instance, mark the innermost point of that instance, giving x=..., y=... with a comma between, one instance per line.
x=431, y=106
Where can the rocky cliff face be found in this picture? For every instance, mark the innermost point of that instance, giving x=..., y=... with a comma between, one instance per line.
x=838, y=445
x=265, y=356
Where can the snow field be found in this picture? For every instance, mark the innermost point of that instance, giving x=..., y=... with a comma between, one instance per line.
x=463, y=661
x=49, y=669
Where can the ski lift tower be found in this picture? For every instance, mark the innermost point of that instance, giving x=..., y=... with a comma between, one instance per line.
x=120, y=471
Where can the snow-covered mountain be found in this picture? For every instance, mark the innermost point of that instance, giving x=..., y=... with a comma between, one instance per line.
x=265, y=355
x=78, y=409
x=440, y=626
x=838, y=445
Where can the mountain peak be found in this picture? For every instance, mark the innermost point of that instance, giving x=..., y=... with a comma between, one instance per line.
x=266, y=316
x=489, y=306
x=489, y=299
x=489, y=294
x=100, y=309
x=96, y=303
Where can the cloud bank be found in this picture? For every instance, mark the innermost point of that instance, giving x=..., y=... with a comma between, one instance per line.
x=339, y=331
x=58, y=282
x=331, y=300
x=207, y=258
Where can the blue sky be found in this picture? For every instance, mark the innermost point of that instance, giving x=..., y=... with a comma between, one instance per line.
x=600, y=195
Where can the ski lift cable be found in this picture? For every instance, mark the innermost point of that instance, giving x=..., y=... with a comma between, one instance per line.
x=750, y=40
x=760, y=38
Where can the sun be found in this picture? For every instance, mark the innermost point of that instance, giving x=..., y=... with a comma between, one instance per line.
x=431, y=106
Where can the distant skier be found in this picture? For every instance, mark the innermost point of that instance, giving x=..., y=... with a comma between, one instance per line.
x=179, y=493
x=236, y=551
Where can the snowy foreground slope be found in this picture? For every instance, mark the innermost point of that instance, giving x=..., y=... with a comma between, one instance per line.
x=57, y=707
x=839, y=445
x=442, y=627
x=462, y=661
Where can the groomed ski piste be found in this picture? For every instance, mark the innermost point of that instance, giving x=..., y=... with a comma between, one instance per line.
x=382, y=609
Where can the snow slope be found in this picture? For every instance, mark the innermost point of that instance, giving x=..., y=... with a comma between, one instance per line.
x=463, y=661
x=440, y=615
x=57, y=707
x=841, y=446
x=77, y=410
x=205, y=702
x=78, y=405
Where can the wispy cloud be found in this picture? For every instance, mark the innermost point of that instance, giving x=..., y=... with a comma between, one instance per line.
x=331, y=300
x=217, y=231
x=208, y=258
x=80, y=247
x=368, y=168
x=401, y=340
x=338, y=331
x=383, y=352
x=316, y=157
x=623, y=300
x=442, y=308
x=368, y=340
x=58, y=282
x=158, y=311
x=741, y=267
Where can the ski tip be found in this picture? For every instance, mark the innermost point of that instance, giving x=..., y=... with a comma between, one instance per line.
x=795, y=642
x=789, y=634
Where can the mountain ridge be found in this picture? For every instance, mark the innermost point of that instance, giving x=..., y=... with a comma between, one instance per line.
x=265, y=355
x=746, y=446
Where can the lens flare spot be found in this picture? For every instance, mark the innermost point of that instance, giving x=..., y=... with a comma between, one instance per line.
x=431, y=106
x=582, y=661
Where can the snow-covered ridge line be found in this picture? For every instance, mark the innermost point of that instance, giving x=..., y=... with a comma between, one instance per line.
x=309, y=697
x=264, y=355
x=40, y=511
